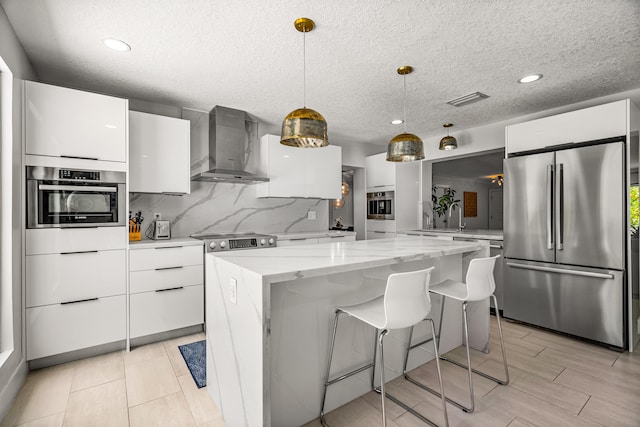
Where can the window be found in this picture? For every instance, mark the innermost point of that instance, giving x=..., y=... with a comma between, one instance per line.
x=634, y=220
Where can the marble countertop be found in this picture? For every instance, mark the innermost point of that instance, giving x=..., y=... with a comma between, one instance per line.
x=179, y=241
x=470, y=233
x=290, y=263
x=313, y=234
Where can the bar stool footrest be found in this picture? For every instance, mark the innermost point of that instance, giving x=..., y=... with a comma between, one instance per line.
x=475, y=371
x=435, y=393
x=406, y=408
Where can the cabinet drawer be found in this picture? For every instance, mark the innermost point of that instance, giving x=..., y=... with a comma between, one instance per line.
x=333, y=239
x=380, y=235
x=381, y=225
x=56, y=278
x=297, y=242
x=162, y=257
x=56, y=240
x=56, y=329
x=152, y=280
x=154, y=312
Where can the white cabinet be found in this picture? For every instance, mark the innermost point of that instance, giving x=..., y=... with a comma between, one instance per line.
x=166, y=287
x=313, y=238
x=299, y=172
x=380, y=229
x=334, y=239
x=159, y=153
x=75, y=289
x=599, y=122
x=380, y=172
x=298, y=241
x=63, y=122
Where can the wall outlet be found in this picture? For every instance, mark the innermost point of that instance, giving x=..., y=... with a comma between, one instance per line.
x=233, y=291
x=157, y=216
x=311, y=215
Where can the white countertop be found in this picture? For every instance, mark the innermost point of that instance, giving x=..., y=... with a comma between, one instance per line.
x=313, y=234
x=290, y=263
x=180, y=241
x=470, y=233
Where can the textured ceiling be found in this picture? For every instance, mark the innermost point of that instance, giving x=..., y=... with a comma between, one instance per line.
x=247, y=55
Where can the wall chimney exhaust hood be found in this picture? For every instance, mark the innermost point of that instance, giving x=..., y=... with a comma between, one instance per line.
x=233, y=141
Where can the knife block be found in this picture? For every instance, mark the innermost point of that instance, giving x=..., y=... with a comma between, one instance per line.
x=134, y=232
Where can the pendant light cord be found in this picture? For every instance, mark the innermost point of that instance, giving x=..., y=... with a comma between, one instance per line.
x=404, y=102
x=304, y=69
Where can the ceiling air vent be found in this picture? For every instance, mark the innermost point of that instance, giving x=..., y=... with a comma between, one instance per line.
x=467, y=99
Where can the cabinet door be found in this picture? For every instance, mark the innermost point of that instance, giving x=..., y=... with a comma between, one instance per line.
x=380, y=235
x=286, y=168
x=298, y=241
x=323, y=172
x=57, y=240
x=379, y=172
x=599, y=122
x=159, y=152
x=71, y=123
x=59, y=278
x=164, y=257
x=55, y=329
x=160, y=311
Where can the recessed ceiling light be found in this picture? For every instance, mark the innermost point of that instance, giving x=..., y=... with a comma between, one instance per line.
x=397, y=122
x=116, y=44
x=530, y=79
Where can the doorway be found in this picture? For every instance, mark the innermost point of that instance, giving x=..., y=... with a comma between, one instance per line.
x=495, y=209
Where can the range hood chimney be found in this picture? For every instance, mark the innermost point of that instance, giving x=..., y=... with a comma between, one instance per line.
x=232, y=136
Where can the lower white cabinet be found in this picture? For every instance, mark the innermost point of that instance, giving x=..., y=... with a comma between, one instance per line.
x=166, y=286
x=295, y=241
x=298, y=241
x=75, y=289
x=165, y=309
x=60, y=328
x=333, y=239
x=380, y=234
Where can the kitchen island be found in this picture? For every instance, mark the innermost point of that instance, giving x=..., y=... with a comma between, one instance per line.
x=269, y=315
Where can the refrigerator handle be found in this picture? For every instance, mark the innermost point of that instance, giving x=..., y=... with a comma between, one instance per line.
x=550, y=230
x=560, y=224
x=561, y=271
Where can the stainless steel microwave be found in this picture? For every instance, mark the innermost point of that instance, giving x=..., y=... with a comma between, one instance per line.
x=380, y=205
x=58, y=197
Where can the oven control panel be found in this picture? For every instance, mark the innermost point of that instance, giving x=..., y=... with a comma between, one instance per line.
x=78, y=174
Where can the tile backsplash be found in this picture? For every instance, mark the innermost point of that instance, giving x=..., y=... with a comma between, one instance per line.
x=226, y=207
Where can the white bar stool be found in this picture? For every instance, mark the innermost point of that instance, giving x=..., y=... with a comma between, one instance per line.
x=405, y=303
x=479, y=285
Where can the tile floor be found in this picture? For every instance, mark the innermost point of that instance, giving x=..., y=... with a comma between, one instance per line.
x=149, y=386
x=555, y=381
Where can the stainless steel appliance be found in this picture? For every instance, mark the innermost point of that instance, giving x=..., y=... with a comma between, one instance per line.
x=564, y=235
x=58, y=197
x=380, y=205
x=236, y=241
x=161, y=229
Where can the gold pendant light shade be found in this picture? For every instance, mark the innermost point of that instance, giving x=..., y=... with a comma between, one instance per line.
x=448, y=142
x=405, y=147
x=305, y=128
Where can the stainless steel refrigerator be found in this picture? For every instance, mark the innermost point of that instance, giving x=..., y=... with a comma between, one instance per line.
x=565, y=239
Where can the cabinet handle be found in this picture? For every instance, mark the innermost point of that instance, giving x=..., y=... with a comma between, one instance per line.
x=169, y=247
x=80, y=157
x=79, y=252
x=78, y=301
x=170, y=289
x=337, y=237
x=496, y=246
x=169, y=268
x=380, y=232
x=300, y=238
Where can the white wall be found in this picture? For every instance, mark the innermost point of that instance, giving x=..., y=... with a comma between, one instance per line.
x=13, y=368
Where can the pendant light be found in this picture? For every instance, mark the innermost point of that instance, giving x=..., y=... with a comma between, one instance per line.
x=304, y=127
x=405, y=147
x=338, y=203
x=448, y=142
x=499, y=179
x=345, y=188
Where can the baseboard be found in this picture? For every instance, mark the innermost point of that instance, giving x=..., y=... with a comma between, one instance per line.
x=162, y=336
x=10, y=390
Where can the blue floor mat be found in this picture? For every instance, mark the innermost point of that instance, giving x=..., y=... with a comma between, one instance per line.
x=195, y=354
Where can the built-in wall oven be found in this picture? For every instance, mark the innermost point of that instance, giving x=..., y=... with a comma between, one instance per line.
x=58, y=197
x=380, y=205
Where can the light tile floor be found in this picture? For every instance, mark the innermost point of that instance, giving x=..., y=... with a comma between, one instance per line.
x=149, y=386
x=555, y=381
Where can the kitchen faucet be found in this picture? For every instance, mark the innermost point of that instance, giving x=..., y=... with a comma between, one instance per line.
x=460, y=226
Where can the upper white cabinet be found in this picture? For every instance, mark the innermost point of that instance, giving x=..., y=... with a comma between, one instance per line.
x=65, y=122
x=588, y=124
x=299, y=172
x=159, y=152
x=380, y=172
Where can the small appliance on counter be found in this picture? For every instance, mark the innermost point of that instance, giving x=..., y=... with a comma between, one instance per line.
x=161, y=230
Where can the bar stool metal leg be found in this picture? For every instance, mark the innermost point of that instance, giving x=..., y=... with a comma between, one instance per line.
x=382, y=393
